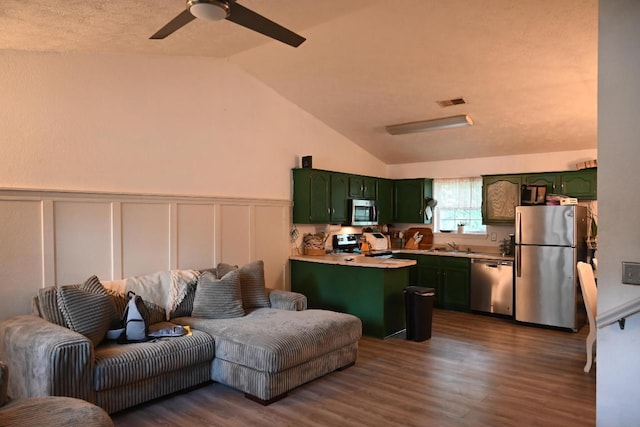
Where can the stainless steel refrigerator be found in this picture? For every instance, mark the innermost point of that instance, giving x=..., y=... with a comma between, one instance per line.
x=549, y=241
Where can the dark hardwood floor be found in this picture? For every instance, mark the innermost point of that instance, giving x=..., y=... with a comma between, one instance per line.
x=474, y=371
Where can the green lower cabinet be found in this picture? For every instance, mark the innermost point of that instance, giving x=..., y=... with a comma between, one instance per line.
x=429, y=276
x=375, y=295
x=449, y=276
x=454, y=283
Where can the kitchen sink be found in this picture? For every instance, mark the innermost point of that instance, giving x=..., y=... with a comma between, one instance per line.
x=452, y=251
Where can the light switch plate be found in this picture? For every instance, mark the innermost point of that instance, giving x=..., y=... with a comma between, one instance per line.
x=631, y=273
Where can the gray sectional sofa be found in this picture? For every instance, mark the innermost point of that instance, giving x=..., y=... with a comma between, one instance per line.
x=48, y=410
x=262, y=342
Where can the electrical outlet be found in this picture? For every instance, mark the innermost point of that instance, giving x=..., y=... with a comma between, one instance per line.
x=494, y=236
x=631, y=273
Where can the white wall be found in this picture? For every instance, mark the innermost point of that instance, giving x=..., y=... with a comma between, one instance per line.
x=154, y=124
x=544, y=162
x=618, y=370
x=147, y=125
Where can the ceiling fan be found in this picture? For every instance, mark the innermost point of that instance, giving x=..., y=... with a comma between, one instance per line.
x=215, y=10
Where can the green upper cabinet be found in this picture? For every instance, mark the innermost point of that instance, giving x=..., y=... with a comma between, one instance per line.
x=500, y=196
x=385, y=200
x=363, y=187
x=319, y=197
x=580, y=184
x=311, y=196
x=322, y=197
x=548, y=179
x=409, y=200
x=339, y=199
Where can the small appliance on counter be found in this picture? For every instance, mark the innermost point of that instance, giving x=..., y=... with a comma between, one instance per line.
x=345, y=242
x=377, y=241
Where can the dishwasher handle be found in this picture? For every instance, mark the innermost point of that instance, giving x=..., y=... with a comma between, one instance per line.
x=492, y=263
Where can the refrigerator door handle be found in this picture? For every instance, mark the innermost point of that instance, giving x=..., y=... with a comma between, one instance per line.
x=518, y=227
x=518, y=261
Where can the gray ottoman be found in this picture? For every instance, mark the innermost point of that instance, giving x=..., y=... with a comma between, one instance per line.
x=47, y=410
x=269, y=351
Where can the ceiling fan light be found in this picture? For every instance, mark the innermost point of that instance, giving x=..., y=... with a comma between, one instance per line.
x=210, y=10
x=424, y=125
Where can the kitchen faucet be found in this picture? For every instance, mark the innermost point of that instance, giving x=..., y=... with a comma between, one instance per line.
x=453, y=246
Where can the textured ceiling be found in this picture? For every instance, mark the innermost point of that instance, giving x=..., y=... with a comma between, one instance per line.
x=527, y=68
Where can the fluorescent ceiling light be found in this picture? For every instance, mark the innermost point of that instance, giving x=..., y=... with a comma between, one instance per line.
x=423, y=125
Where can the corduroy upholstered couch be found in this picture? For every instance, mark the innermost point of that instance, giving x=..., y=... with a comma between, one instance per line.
x=260, y=341
x=47, y=411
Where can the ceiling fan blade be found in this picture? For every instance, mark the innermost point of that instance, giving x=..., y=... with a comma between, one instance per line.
x=256, y=22
x=175, y=24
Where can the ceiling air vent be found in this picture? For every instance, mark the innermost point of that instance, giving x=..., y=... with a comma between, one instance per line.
x=450, y=102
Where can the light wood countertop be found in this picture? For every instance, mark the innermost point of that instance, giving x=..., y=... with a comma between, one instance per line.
x=356, y=260
x=360, y=260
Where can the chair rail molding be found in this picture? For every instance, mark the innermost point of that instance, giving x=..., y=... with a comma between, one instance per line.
x=618, y=314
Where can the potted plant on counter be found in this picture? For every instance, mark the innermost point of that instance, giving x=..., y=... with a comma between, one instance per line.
x=460, y=227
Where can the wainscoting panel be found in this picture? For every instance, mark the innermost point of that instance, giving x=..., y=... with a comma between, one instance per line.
x=236, y=234
x=82, y=240
x=145, y=238
x=196, y=236
x=57, y=238
x=271, y=243
x=21, y=255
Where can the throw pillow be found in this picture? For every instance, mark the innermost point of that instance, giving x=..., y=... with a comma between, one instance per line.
x=48, y=304
x=218, y=298
x=252, y=283
x=48, y=300
x=93, y=285
x=87, y=313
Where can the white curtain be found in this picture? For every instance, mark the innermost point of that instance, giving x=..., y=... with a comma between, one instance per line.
x=459, y=202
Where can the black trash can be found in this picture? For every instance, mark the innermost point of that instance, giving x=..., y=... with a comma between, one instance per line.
x=419, y=312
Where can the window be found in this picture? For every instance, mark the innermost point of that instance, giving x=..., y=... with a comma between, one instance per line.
x=459, y=202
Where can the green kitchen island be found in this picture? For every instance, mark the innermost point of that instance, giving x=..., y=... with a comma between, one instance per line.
x=368, y=287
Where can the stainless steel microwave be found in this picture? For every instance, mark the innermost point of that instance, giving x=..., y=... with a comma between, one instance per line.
x=363, y=212
x=533, y=194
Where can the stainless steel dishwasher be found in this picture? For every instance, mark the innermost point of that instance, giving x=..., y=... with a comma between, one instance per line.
x=492, y=286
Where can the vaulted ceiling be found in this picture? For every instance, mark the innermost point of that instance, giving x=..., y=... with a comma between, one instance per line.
x=527, y=69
